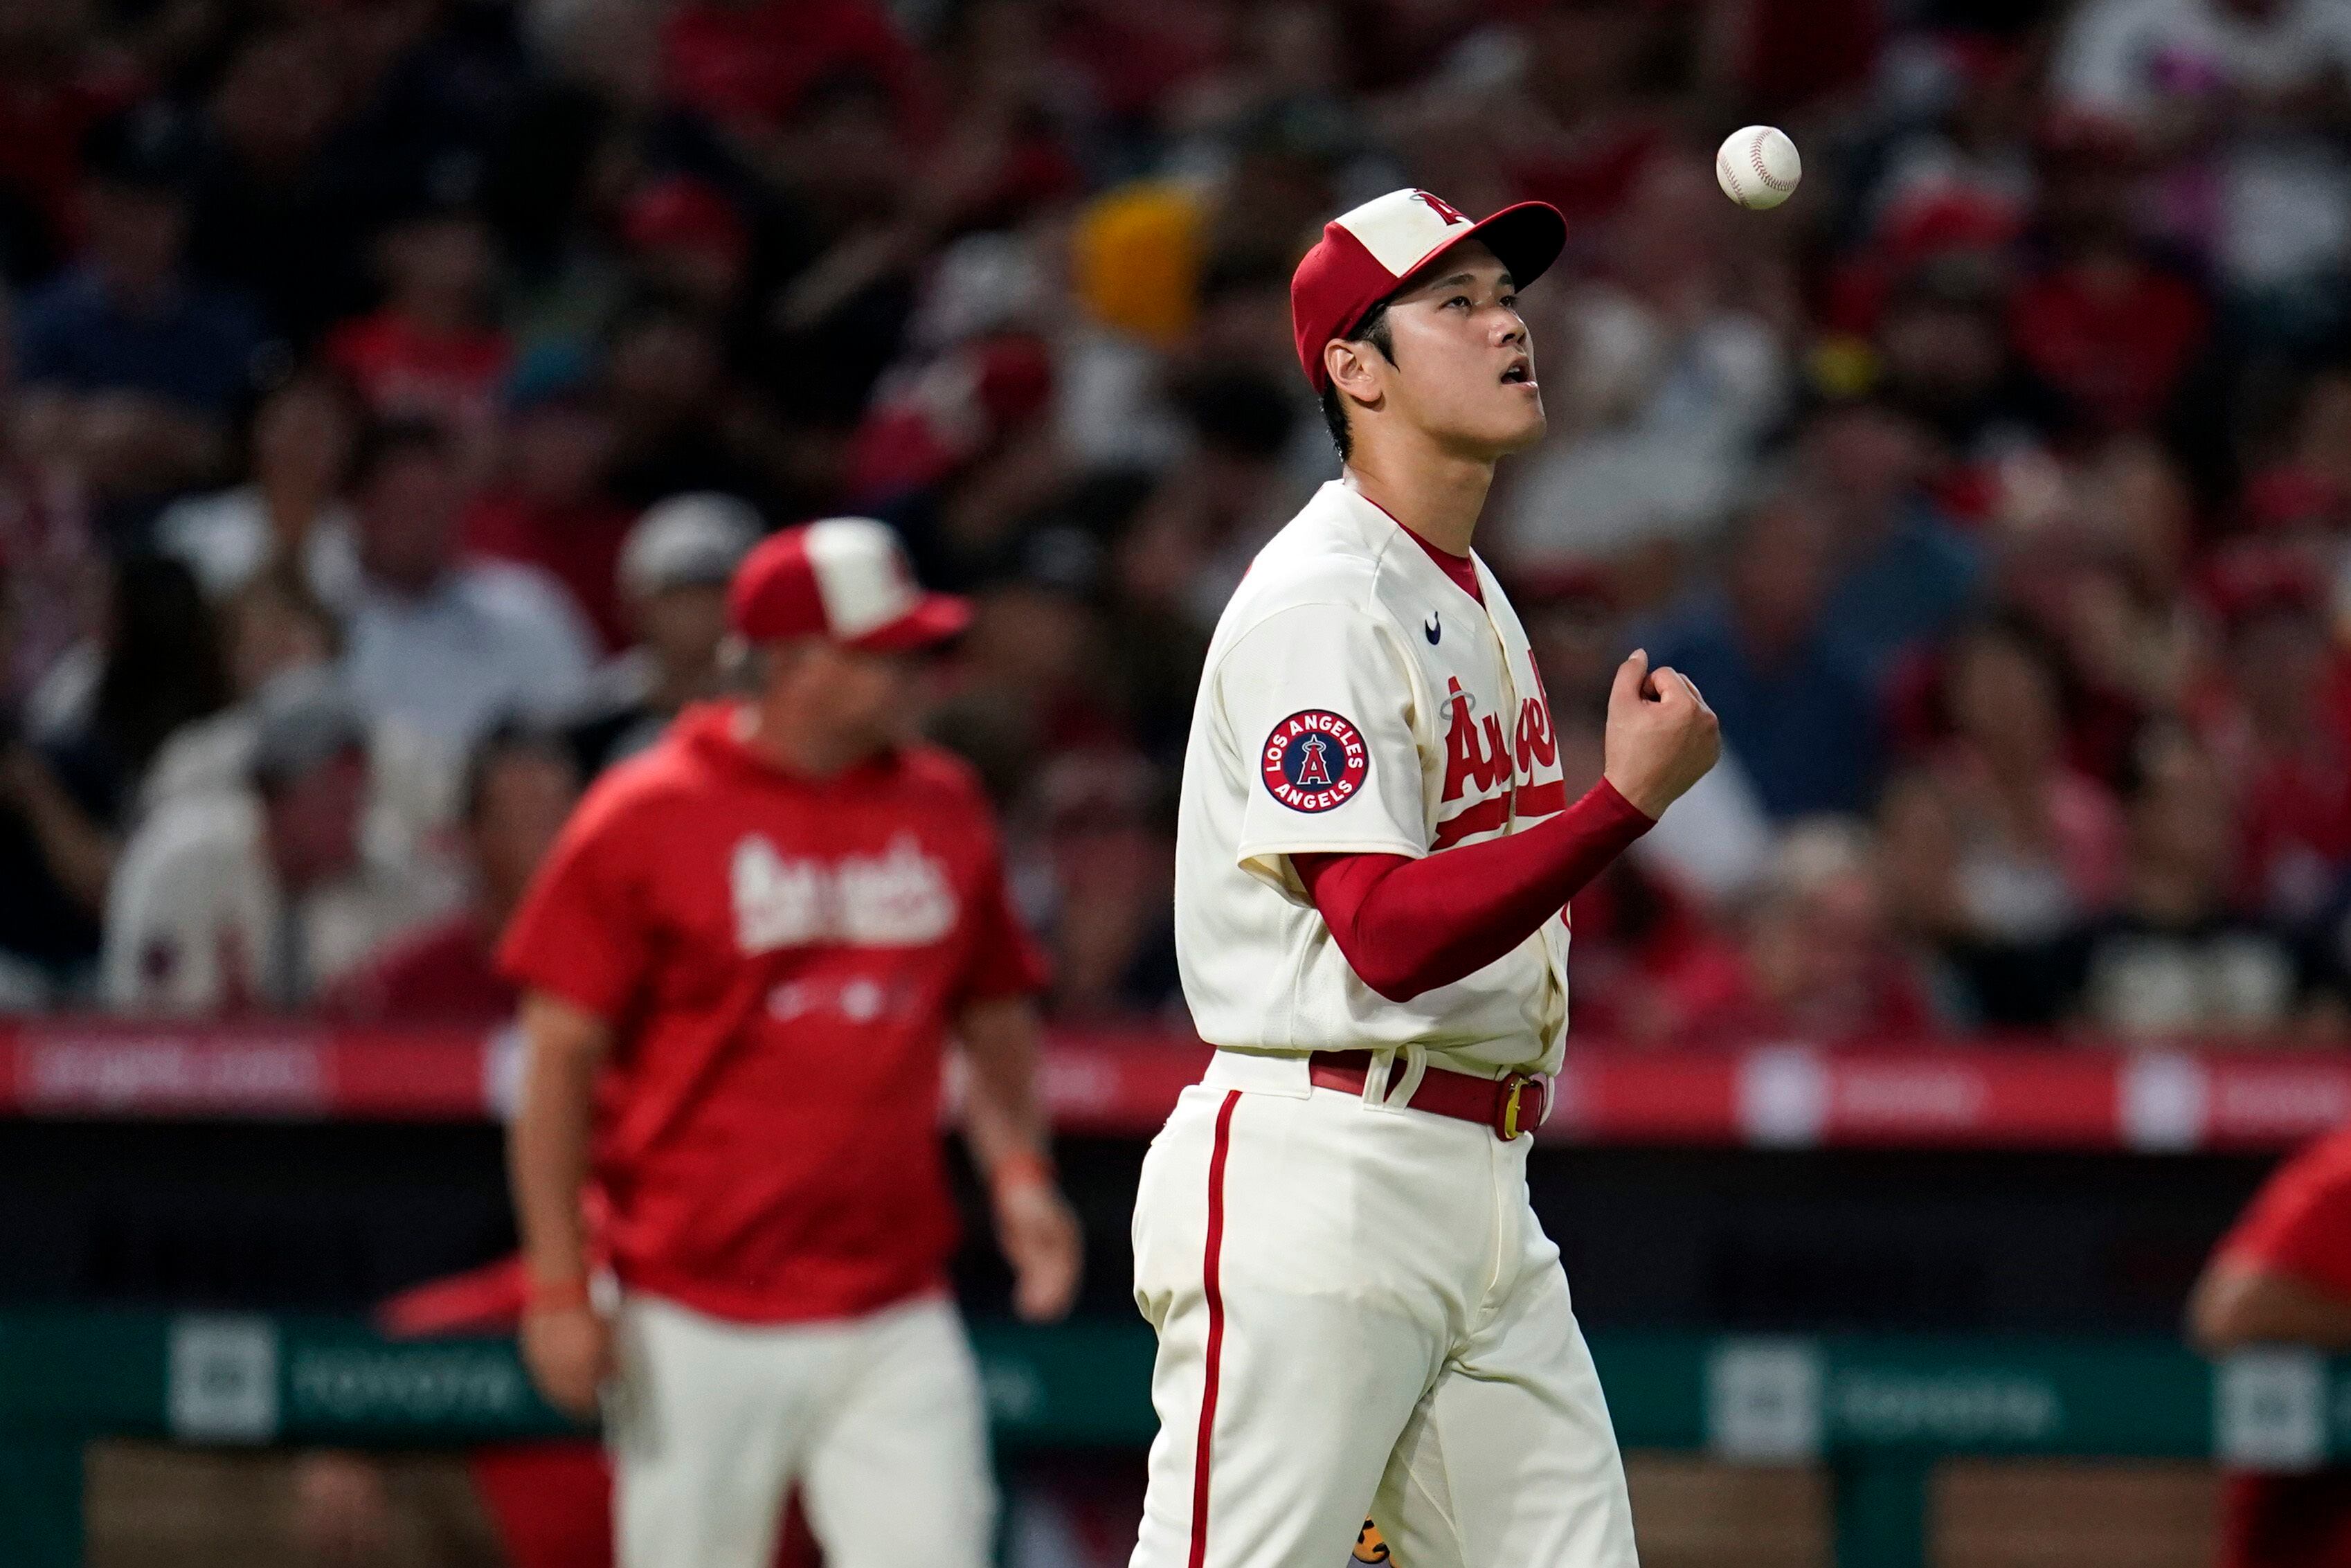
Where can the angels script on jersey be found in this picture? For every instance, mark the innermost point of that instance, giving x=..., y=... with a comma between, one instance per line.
x=900, y=898
x=1481, y=754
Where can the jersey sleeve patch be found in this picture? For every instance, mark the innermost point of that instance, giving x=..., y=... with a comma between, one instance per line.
x=1314, y=761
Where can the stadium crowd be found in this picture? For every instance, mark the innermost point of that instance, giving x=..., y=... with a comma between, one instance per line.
x=392, y=383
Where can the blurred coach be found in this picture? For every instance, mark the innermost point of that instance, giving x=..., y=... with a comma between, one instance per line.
x=740, y=965
x=2282, y=1277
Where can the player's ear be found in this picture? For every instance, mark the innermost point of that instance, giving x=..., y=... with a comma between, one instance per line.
x=1351, y=369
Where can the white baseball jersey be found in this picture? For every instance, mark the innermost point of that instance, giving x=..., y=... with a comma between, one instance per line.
x=1356, y=699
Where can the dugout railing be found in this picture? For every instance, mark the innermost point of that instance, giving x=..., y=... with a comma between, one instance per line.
x=1877, y=1411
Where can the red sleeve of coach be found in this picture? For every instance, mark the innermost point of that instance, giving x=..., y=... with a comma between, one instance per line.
x=582, y=931
x=2299, y=1224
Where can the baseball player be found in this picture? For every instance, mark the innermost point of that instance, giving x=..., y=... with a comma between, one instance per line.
x=1358, y=1310
x=739, y=964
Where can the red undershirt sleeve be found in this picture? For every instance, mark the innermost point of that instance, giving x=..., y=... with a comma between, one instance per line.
x=1408, y=926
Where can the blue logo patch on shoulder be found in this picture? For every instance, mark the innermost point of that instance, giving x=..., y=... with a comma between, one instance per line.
x=1314, y=761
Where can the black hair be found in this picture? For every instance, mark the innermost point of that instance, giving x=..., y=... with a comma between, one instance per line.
x=1373, y=329
x=512, y=737
x=163, y=665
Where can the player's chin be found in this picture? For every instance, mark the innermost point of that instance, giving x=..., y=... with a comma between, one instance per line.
x=1519, y=423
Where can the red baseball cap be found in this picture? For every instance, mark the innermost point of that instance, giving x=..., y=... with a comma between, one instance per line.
x=846, y=578
x=1366, y=254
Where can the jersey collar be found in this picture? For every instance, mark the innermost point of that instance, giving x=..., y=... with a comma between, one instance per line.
x=1379, y=528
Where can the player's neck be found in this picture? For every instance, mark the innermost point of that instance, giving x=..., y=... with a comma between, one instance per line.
x=781, y=740
x=1433, y=493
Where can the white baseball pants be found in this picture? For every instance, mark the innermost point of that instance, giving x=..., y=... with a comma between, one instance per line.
x=1358, y=1314
x=879, y=1420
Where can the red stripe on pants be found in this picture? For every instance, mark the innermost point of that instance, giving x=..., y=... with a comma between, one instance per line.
x=1212, y=1285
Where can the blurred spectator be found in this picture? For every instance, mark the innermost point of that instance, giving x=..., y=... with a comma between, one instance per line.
x=269, y=626
x=748, y=65
x=1903, y=573
x=958, y=450
x=1958, y=175
x=55, y=84
x=2281, y=739
x=673, y=576
x=432, y=352
x=1820, y=959
x=1796, y=703
x=1109, y=841
x=1034, y=678
x=54, y=564
x=2100, y=321
x=1646, y=940
x=665, y=389
x=1594, y=112
x=262, y=897
x=686, y=240
x=1644, y=952
x=1943, y=355
x=2105, y=580
x=2013, y=846
x=269, y=630
x=1710, y=847
x=2174, y=958
x=548, y=507
x=66, y=794
x=1188, y=548
x=445, y=645
x=2318, y=441
x=519, y=787
x=274, y=213
x=2247, y=100
x=290, y=508
x=149, y=363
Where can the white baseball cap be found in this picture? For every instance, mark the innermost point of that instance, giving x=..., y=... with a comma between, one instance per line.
x=687, y=540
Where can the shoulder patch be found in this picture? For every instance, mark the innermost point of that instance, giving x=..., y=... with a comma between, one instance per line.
x=1314, y=761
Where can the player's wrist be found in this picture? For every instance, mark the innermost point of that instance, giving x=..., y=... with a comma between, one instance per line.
x=557, y=1293
x=1021, y=1171
x=1646, y=801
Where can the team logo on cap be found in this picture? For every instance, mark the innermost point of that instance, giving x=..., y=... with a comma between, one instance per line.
x=1442, y=208
x=1314, y=761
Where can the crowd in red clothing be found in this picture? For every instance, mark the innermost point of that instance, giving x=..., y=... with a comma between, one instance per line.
x=389, y=386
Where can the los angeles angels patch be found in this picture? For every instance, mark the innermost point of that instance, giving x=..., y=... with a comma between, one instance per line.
x=1314, y=761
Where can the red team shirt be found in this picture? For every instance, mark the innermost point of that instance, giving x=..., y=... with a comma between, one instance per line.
x=780, y=959
x=2298, y=1224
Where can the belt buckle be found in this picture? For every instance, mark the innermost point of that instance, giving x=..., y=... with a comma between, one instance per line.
x=1506, y=1110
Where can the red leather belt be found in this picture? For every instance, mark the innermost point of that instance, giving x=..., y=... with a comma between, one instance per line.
x=1510, y=1105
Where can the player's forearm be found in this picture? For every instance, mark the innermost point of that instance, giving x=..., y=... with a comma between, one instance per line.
x=1004, y=1114
x=1407, y=927
x=2234, y=1305
x=546, y=1144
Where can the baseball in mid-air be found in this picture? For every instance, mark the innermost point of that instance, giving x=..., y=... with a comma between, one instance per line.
x=1757, y=167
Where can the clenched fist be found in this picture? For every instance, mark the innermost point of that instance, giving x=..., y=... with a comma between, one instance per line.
x=568, y=1349
x=1040, y=1238
x=1661, y=736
